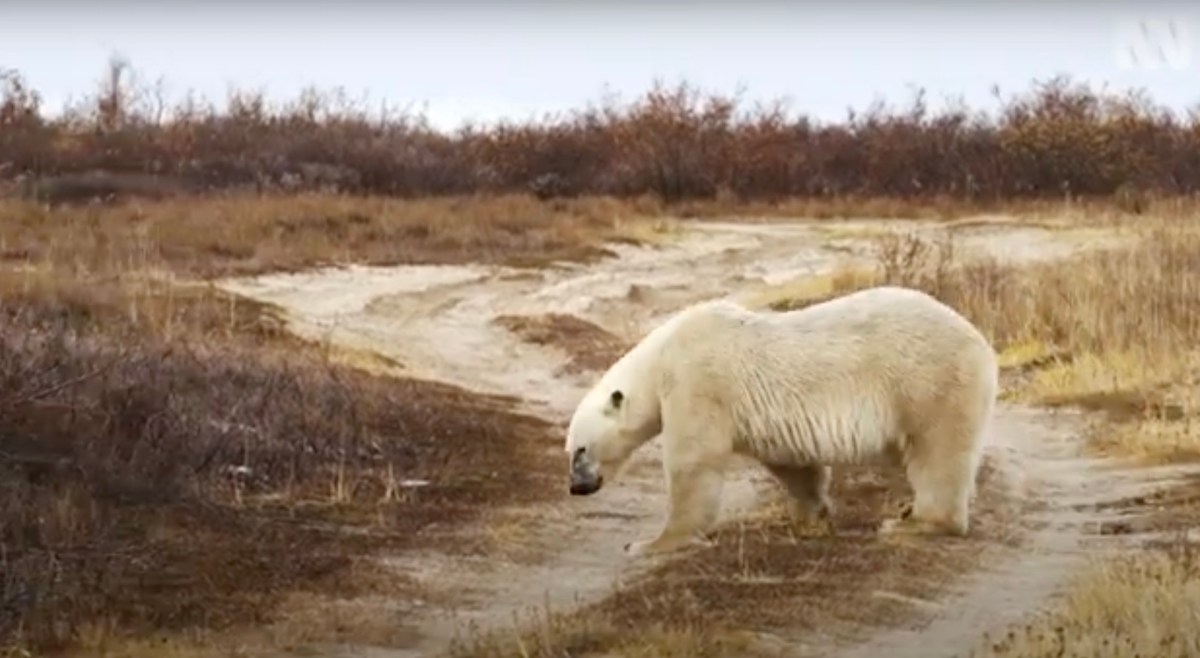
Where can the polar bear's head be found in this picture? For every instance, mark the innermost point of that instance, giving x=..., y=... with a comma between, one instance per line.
x=608, y=425
x=621, y=412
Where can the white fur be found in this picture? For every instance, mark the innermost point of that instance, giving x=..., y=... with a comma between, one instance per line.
x=884, y=375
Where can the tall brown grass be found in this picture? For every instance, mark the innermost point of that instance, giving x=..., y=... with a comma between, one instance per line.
x=1058, y=138
x=1113, y=329
x=1126, y=606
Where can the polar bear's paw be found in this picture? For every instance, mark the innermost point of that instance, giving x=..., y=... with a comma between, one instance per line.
x=661, y=546
x=812, y=519
x=907, y=525
x=814, y=528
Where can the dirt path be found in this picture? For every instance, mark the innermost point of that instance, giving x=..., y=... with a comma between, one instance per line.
x=1068, y=501
x=436, y=321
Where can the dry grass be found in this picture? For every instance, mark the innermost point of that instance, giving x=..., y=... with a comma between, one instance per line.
x=175, y=462
x=1107, y=330
x=1123, y=606
x=1140, y=602
x=222, y=236
x=588, y=347
x=171, y=462
x=1069, y=334
x=769, y=582
x=808, y=290
x=243, y=234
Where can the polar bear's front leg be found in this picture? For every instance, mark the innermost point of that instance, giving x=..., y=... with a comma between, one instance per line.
x=694, y=503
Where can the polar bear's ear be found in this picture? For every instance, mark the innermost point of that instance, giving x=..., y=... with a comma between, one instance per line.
x=616, y=399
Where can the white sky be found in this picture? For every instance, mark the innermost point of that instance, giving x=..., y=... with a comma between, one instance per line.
x=519, y=59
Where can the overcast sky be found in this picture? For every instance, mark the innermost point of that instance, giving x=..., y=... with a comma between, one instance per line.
x=516, y=59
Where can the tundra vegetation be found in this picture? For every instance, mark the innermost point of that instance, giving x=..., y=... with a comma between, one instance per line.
x=176, y=467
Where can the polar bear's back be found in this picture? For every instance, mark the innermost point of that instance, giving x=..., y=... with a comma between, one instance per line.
x=838, y=379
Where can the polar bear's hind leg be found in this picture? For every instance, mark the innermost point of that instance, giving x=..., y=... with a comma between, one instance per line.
x=941, y=469
x=807, y=488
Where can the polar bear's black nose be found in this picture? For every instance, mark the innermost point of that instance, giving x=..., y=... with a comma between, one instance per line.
x=586, y=486
x=585, y=477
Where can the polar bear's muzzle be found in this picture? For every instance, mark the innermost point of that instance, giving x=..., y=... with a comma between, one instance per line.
x=586, y=478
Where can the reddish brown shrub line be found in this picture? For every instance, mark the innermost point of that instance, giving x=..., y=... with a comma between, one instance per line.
x=679, y=143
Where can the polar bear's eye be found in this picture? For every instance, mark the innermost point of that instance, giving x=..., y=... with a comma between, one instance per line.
x=617, y=398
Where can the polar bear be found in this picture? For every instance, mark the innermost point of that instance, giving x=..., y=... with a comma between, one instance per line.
x=885, y=376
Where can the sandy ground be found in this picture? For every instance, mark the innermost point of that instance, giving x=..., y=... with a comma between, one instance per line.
x=435, y=321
